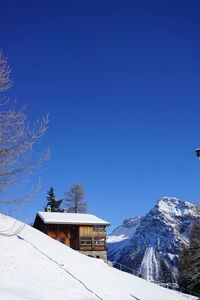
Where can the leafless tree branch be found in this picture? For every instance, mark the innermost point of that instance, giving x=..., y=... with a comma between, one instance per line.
x=17, y=140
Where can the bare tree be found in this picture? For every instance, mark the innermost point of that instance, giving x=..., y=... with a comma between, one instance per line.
x=17, y=140
x=5, y=80
x=75, y=199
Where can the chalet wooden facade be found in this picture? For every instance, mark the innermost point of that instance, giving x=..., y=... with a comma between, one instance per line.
x=83, y=232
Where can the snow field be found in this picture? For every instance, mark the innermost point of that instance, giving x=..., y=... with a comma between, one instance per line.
x=36, y=267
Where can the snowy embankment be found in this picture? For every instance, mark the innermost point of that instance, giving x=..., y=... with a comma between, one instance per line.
x=34, y=266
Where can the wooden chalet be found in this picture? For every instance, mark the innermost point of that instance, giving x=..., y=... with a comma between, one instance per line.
x=83, y=232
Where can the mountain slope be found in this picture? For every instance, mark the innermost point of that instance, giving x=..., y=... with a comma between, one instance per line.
x=153, y=241
x=121, y=236
x=34, y=266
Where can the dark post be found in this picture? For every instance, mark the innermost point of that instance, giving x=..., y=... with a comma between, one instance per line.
x=197, y=151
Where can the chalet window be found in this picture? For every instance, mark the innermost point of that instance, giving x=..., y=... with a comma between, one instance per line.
x=86, y=241
x=98, y=228
x=99, y=242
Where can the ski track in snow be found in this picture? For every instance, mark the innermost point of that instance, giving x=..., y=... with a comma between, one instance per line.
x=134, y=297
x=60, y=266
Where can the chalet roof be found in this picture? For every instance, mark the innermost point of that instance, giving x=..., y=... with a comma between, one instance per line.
x=70, y=218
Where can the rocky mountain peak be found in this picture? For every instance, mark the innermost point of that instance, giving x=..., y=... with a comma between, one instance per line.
x=151, y=244
x=174, y=207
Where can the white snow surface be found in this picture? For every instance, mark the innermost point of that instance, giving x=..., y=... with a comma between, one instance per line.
x=71, y=218
x=36, y=267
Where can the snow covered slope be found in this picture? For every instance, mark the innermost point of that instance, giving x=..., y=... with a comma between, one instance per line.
x=34, y=266
x=151, y=244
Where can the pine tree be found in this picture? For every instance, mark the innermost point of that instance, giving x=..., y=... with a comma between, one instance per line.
x=189, y=261
x=52, y=202
x=74, y=199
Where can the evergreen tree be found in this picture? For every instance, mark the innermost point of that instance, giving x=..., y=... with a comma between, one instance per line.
x=189, y=261
x=74, y=199
x=52, y=202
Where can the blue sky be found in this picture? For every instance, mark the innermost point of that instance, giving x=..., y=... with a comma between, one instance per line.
x=120, y=80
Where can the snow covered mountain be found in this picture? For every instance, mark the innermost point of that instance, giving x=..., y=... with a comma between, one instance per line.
x=37, y=267
x=151, y=244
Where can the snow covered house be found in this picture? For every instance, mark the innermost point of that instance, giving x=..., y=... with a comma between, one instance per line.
x=83, y=232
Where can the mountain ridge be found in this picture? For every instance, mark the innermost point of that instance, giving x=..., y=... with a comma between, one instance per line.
x=153, y=242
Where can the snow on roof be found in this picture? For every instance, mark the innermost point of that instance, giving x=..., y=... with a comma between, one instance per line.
x=71, y=218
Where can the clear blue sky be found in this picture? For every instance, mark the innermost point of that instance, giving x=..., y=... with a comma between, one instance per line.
x=121, y=82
